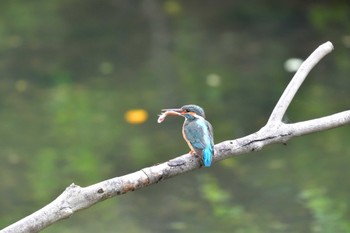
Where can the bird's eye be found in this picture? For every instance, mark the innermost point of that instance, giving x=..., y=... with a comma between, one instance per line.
x=186, y=110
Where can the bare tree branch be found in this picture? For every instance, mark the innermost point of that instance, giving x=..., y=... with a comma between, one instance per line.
x=298, y=79
x=76, y=198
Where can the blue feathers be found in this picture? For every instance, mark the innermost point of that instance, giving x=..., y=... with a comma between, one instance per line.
x=198, y=134
x=207, y=156
x=196, y=130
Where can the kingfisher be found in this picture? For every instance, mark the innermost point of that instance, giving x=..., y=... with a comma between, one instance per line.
x=196, y=130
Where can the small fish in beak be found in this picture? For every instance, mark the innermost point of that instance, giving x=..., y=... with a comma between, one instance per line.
x=167, y=112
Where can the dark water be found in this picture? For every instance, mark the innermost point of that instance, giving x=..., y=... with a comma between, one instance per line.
x=82, y=82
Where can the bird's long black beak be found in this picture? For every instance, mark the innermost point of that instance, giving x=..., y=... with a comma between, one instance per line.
x=178, y=110
x=173, y=111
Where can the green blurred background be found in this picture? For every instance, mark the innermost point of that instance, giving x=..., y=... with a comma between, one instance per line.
x=82, y=82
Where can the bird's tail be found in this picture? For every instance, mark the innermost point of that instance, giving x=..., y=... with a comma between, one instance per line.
x=207, y=156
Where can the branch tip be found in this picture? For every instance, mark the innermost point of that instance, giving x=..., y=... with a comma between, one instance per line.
x=329, y=45
x=299, y=77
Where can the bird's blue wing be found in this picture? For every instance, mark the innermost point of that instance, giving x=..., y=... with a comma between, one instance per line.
x=211, y=133
x=200, y=134
x=208, y=152
x=196, y=135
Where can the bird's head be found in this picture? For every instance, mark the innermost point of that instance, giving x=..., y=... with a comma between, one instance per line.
x=187, y=111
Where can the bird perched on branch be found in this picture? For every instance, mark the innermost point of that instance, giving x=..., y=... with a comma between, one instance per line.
x=196, y=130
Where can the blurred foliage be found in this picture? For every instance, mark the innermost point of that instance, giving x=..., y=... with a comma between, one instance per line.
x=82, y=82
x=329, y=215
